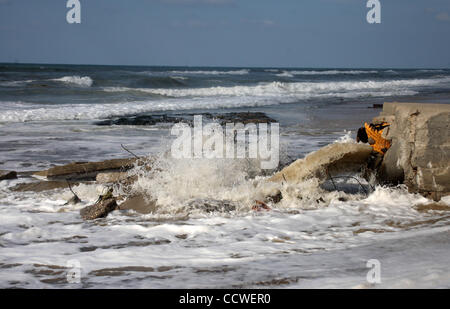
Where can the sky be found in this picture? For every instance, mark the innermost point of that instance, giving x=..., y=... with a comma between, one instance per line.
x=232, y=33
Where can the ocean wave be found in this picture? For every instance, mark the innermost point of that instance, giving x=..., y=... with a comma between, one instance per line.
x=215, y=97
x=333, y=72
x=297, y=89
x=285, y=74
x=102, y=111
x=235, y=72
x=431, y=71
x=15, y=83
x=26, y=112
x=84, y=81
x=179, y=77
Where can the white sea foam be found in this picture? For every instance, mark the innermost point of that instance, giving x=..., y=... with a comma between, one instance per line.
x=84, y=81
x=100, y=111
x=300, y=90
x=346, y=138
x=326, y=244
x=324, y=238
x=431, y=71
x=174, y=184
x=333, y=72
x=285, y=74
x=16, y=83
x=214, y=72
x=179, y=77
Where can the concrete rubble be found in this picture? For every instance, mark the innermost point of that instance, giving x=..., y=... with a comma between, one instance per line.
x=86, y=171
x=419, y=158
x=338, y=157
x=420, y=152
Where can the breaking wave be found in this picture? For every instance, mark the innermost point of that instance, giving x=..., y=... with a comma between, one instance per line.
x=431, y=71
x=191, y=185
x=100, y=111
x=235, y=72
x=285, y=74
x=194, y=185
x=84, y=81
x=301, y=90
x=333, y=72
x=15, y=83
x=215, y=97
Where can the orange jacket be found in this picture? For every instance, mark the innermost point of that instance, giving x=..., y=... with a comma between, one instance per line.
x=381, y=145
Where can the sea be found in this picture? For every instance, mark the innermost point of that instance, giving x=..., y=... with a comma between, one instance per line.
x=361, y=235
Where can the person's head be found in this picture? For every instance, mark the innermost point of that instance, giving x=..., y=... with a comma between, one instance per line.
x=361, y=136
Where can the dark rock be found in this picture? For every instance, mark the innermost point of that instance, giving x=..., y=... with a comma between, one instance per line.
x=377, y=106
x=276, y=198
x=6, y=175
x=144, y=120
x=223, y=118
x=320, y=200
x=244, y=117
x=98, y=210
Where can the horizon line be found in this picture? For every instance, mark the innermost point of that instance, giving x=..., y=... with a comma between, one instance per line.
x=231, y=67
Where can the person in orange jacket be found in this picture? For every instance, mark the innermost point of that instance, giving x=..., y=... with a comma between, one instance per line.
x=372, y=134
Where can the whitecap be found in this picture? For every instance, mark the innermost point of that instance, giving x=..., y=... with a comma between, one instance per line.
x=84, y=81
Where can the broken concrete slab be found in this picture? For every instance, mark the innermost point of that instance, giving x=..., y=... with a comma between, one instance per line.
x=41, y=186
x=111, y=177
x=139, y=203
x=420, y=152
x=99, y=210
x=335, y=158
x=86, y=171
